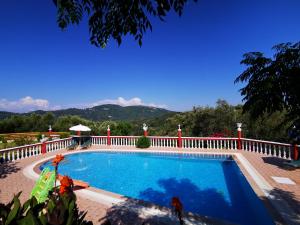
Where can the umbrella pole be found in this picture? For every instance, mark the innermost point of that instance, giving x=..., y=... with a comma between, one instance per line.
x=79, y=141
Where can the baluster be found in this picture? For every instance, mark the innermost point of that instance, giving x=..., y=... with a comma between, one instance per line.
x=8, y=156
x=268, y=149
x=12, y=155
x=288, y=149
x=283, y=152
x=260, y=148
x=274, y=150
x=4, y=154
x=18, y=154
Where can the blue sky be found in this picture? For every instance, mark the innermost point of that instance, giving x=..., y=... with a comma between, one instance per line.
x=185, y=62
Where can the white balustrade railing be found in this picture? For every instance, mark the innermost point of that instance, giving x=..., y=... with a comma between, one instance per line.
x=123, y=140
x=99, y=140
x=20, y=152
x=275, y=149
x=58, y=144
x=25, y=151
x=164, y=142
x=209, y=143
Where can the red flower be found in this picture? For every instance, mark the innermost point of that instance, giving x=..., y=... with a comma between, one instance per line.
x=177, y=204
x=66, y=183
x=57, y=160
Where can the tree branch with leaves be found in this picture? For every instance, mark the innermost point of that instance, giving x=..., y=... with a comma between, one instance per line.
x=115, y=18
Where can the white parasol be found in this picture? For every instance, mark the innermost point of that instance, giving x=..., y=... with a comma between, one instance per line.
x=80, y=127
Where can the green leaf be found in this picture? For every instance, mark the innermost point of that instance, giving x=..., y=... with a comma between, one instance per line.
x=51, y=206
x=26, y=205
x=29, y=219
x=43, y=219
x=13, y=213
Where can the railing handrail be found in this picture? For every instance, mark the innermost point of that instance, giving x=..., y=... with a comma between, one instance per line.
x=21, y=146
x=162, y=137
x=64, y=139
x=31, y=145
x=266, y=142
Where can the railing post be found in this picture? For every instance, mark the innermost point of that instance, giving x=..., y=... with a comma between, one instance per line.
x=108, y=135
x=296, y=152
x=145, y=128
x=239, y=130
x=179, y=140
x=43, y=148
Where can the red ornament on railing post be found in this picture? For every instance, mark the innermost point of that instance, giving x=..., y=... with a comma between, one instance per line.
x=108, y=135
x=145, y=128
x=179, y=134
x=239, y=130
x=296, y=152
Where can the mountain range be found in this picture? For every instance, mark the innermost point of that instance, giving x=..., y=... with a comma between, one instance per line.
x=103, y=112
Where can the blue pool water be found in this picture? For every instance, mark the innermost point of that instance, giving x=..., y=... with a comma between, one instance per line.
x=205, y=185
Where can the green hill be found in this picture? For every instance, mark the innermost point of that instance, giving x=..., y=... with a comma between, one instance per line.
x=104, y=112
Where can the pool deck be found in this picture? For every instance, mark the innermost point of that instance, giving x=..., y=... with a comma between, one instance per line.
x=282, y=200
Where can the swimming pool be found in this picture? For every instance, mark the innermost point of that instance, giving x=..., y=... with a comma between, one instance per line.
x=205, y=184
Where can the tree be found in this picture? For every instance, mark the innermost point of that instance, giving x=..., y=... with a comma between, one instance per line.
x=115, y=18
x=273, y=83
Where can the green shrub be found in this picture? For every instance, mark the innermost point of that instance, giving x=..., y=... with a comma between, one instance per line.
x=143, y=142
x=2, y=139
x=64, y=135
x=39, y=136
x=23, y=141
